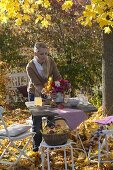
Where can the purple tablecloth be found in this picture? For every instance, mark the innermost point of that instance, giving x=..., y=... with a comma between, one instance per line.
x=105, y=121
x=73, y=117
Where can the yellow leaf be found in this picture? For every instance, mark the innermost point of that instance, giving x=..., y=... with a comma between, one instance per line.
x=110, y=3
x=46, y=4
x=18, y=21
x=39, y=18
x=3, y=19
x=76, y=13
x=50, y=79
x=103, y=22
x=11, y=13
x=80, y=19
x=48, y=17
x=88, y=7
x=67, y=5
x=45, y=23
x=26, y=17
x=107, y=30
x=30, y=1
x=39, y=2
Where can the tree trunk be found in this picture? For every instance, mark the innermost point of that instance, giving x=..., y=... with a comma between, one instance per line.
x=107, y=74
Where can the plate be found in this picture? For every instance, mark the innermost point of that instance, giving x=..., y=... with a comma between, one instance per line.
x=72, y=101
x=30, y=104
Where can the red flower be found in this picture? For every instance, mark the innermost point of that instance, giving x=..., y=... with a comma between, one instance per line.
x=60, y=86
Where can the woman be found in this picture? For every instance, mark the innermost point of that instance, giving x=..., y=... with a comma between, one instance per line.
x=39, y=69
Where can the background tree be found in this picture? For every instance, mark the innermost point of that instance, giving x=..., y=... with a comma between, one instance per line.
x=101, y=12
x=76, y=49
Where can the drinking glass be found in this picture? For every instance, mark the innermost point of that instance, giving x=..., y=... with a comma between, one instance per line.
x=66, y=98
x=83, y=99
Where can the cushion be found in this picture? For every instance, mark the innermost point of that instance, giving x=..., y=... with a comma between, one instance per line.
x=15, y=130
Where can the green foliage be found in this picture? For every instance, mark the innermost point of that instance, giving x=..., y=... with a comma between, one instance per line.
x=12, y=40
x=80, y=60
x=3, y=82
x=8, y=46
x=96, y=97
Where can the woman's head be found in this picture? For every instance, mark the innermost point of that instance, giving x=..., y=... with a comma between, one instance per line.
x=41, y=51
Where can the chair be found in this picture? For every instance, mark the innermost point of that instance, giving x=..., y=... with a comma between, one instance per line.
x=48, y=148
x=12, y=134
x=102, y=136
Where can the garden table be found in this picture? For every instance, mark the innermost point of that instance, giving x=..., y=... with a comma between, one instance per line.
x=88, y=108
x=73, y=117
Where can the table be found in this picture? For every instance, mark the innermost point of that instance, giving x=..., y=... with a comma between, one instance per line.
x=73, y=117
x=85, y=107
x=88, y=108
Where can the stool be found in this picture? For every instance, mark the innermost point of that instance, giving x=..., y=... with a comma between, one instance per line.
x=48, y=147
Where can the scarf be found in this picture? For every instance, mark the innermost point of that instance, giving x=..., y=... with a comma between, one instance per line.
x=43, y=69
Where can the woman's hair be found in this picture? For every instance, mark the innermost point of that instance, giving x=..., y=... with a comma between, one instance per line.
x=39, y=45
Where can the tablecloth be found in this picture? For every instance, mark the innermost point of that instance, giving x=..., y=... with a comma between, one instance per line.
x=73, y=117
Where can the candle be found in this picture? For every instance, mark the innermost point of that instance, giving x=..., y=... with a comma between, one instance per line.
x=38, y=101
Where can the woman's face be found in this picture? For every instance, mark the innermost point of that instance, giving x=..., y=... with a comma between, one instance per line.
x=42, y=55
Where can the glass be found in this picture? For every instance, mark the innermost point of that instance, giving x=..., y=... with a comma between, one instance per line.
x=38, y=101
x=83, y=99
x=66, y=99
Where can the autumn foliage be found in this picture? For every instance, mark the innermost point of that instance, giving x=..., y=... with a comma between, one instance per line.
x=98, y=11
x=3, y=82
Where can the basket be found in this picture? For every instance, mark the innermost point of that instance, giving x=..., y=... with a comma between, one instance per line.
x=55, y=139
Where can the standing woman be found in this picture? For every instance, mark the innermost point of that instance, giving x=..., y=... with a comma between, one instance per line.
x=39, y=69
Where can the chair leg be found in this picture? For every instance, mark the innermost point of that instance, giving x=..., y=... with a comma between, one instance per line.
x=42, y=157
x=82, y=144
x=22, y=152
x=72, y=157
x=65, y=158
x=89, y=152
x=107, y=148
x=99, y=151
x=48, y=163
x=8, y=150
x=47, y=153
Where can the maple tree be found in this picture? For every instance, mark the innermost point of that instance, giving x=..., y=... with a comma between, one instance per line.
x=99, y=11
x=38, y=10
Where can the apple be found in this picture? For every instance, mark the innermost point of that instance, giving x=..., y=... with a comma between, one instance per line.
x=51, y=131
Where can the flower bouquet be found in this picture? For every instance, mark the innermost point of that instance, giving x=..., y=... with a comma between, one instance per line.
x=62, y=86
x=56, y=90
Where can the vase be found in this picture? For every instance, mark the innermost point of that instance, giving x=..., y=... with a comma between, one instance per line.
x=59, y=97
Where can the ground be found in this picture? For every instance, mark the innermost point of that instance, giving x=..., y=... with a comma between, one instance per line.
x=56, y=156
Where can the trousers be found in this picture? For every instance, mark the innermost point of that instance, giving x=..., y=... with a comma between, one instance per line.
x=37, y=126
